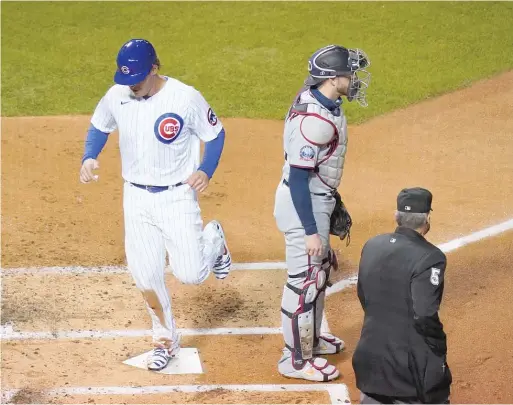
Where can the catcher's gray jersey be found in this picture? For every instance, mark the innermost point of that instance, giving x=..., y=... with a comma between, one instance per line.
x=316, y=139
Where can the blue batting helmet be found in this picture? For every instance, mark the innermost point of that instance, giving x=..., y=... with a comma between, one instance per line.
x=135, y=60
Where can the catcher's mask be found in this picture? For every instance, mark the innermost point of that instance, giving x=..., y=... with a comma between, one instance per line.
x=334, y=60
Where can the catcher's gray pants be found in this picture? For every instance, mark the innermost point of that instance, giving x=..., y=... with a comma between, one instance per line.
x=304, y=293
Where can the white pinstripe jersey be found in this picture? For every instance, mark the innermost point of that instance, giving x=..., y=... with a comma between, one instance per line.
x=159, y=138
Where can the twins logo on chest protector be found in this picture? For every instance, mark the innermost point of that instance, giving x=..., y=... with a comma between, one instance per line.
x=306, y=153
x=167, y=127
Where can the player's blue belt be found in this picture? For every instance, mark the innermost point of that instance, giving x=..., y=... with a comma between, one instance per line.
x=329, y=193
x=156, y=189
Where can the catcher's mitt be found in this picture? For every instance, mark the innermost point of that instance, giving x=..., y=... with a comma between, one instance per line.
x=341, y=222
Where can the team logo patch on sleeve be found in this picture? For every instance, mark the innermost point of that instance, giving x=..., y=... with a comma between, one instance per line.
x=167, y=127
x=212, y=117
x=306, y=153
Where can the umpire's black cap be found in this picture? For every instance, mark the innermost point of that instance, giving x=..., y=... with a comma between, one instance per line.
x=415, y=200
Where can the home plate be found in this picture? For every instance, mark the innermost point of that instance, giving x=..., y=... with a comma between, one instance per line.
x=187, y=361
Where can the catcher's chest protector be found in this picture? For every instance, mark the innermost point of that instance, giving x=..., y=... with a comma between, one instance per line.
x=326, y=133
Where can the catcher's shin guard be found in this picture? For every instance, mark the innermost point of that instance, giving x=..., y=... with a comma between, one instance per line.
x=299, y=310
x=319, y=302
x=325, y=343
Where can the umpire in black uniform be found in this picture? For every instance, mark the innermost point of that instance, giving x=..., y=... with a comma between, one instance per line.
x=401, y=355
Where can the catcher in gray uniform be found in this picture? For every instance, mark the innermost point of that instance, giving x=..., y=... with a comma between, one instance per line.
x=308, y=207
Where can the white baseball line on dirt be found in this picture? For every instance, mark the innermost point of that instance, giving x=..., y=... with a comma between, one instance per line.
x=444, y=247
x=477, y=236
x=7, y=332
x=342, y=284
x=123, y=269
x=338, y=393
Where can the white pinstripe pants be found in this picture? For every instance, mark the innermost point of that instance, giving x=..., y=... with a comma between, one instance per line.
x=159, y=222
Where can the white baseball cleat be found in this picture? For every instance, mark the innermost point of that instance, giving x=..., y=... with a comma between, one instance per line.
x=328, y=344
x=223, y=262
x=314, y=369
x=161, y=355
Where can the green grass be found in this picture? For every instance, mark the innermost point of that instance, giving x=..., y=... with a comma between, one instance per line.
x=248, y=58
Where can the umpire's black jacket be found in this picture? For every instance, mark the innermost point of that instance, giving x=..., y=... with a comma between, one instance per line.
x=402, y=349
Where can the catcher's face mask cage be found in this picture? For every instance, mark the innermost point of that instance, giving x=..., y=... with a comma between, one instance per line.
x=360, y=77
x=350, y=63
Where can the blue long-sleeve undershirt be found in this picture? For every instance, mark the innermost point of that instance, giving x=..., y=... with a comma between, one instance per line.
x=94, y=143
x=302, y=199
x=212, y=154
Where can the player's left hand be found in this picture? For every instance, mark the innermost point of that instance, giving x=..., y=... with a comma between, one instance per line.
x=198, y=181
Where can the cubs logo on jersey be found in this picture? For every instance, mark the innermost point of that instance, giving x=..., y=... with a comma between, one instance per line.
x=212, y=117
x=168, y=127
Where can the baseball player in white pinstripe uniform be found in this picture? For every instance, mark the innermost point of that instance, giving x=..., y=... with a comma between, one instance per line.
x=161, y=123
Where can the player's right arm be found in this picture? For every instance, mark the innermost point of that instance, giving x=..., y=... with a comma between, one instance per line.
x=302, y=156
x=102, y=124
x=209, y=129
x=302, y=200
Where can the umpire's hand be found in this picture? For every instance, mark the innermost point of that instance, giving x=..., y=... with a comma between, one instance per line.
x=314, y=245
x=86, y=172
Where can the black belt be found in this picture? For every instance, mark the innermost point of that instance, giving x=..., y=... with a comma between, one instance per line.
x=330, y=193
x=156, y=189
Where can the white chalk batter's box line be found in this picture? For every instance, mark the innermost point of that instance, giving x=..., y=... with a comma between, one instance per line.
x=8, y=330
x=338, y=393
x=8, y=333
x=123, y=269
x=445, y=247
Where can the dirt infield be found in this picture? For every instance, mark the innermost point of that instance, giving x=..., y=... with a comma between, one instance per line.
x=459, y=145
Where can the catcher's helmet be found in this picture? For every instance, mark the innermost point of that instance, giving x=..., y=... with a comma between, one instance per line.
x=135, y=60
x=334, y=60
